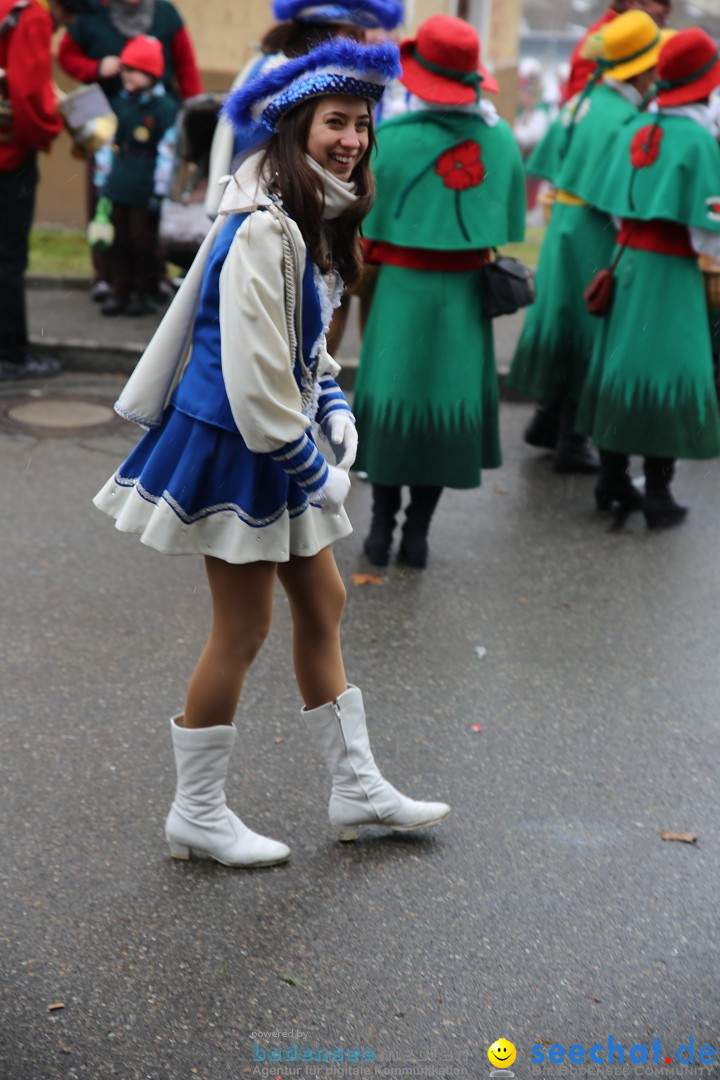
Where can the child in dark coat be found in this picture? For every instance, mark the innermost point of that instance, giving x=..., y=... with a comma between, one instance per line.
x=146, y=114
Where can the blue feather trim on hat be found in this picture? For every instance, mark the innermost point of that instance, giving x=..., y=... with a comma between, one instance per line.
x=370, y=14
x=340, y=66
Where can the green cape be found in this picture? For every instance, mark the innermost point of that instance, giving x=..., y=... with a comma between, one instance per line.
x=601, y=119
x=681, y=184
x=650, y=388
x=477, y=200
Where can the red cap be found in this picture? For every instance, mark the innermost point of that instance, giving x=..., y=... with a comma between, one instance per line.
x=442, y=64
x=144, y=54
x=688, y=68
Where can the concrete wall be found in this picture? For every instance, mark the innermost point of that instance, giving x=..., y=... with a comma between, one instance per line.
x=224, y=33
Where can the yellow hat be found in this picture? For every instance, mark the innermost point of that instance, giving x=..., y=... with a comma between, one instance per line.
x=631, y=44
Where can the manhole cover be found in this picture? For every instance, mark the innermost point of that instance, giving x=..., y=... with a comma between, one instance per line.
x=58, y=415
x=61, y=414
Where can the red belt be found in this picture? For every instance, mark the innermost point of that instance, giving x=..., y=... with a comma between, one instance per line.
x=665, y=237
x=378, y=251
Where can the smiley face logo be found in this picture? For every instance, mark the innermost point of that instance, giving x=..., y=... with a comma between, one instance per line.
x=501, y=1054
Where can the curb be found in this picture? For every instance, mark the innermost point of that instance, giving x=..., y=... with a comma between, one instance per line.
x=60, y=283
x=95, y=356
x=92, y=356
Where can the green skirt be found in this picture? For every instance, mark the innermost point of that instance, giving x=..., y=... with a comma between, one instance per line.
x=426, y=394
x=650, y=388
x=556, y=343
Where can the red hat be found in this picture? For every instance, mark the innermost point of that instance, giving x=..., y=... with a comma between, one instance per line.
x=144, y=54
x=688, y=68
x=442, y=64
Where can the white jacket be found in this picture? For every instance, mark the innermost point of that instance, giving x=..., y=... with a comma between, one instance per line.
x=263, y=342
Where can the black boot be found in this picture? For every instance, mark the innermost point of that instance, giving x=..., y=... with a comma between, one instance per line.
x=140, y=304
x=112, y=305
x=659, y=506
x=414, y=545
x=573, y=453
x=386, y=503
x=614, y=484
x=544, y=427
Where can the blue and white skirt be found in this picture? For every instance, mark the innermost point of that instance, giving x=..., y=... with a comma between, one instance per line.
x=191, y=488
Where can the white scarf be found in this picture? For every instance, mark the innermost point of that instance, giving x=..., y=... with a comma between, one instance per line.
x=625, y=90
x=339, y=194
x=701, y=114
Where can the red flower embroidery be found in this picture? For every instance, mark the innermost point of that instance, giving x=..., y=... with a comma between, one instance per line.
x=645, y=147
x=461, y=167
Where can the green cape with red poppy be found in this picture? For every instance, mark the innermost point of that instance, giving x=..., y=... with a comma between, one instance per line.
x=663, y=166
x=575, y=166
x=446, y=182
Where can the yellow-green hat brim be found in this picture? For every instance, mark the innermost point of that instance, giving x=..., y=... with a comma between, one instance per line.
x=623, y=72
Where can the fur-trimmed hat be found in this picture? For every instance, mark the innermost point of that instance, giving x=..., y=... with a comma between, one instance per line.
x=340, y=66
x=369, y=14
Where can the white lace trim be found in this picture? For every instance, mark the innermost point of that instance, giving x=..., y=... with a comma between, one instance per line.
x=330, y=297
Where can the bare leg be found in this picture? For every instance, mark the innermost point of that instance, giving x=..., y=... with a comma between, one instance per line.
x=316, y=595
x=242, y=599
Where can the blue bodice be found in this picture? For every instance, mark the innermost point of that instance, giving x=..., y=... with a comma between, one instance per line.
x=201, y=392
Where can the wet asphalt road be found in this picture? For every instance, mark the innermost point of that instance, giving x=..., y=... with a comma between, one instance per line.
x=546, y=910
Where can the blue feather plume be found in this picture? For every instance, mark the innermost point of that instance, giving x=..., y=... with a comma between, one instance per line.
x=385, y=13
x=382, y=59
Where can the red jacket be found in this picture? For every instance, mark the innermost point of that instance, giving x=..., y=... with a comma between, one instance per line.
x=581, y=70
x=25, y=54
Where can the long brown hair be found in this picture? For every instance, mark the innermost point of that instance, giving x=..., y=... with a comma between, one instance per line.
x=296, y=38
x=335, y=242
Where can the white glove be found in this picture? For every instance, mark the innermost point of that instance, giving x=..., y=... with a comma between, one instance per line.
x=340, y=431
x=331, y=496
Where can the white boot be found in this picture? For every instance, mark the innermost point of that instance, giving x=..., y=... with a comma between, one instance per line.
x=360, y=796
x=199, y=817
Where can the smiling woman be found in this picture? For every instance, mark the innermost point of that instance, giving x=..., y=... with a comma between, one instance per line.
x=321, y=153
x=339, y=134
x=233, y=467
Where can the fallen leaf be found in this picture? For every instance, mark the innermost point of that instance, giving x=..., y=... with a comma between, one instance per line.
x=291, y=979
x=366, y=579
x=501, y=490
x=56, y=1005
x=480, y=652
x=477, y=727
x=591, y=998
x=681, y=837
x=279, y=738
x=545, y=1042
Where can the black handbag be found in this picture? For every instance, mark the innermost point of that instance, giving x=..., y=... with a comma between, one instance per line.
x=506, y=285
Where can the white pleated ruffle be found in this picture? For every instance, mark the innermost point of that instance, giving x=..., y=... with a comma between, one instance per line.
x=222, y=534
